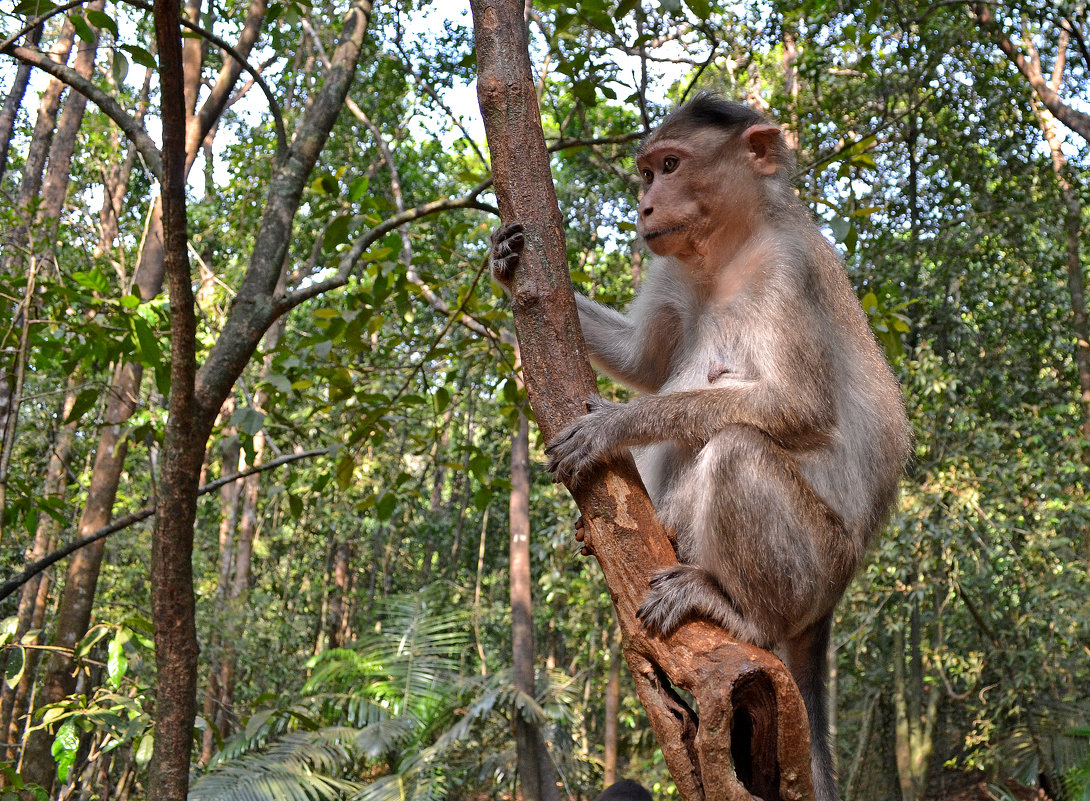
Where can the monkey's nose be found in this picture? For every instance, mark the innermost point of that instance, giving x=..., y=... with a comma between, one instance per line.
x=646, y=212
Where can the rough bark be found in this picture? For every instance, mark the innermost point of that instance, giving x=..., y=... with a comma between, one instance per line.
x=77, y=600
x=184, y=438
x=751, y=737
x=536, y=776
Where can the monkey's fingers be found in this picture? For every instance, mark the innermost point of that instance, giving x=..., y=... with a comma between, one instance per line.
x=507, y=232
x=580, y=529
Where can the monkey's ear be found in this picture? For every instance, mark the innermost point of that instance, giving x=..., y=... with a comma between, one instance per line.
x=762, y=150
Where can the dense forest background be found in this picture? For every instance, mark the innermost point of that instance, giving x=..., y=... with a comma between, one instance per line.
x=352, y=588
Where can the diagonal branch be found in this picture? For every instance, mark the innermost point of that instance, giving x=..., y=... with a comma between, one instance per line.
x=1030, y=67
x=110, y=107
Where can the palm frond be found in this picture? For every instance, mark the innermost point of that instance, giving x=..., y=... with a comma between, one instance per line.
x=297, y=766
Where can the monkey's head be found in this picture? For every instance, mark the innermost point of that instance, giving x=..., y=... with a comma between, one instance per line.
x=709, y=171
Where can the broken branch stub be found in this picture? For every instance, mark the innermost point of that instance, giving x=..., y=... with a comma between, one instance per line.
x=750, y=737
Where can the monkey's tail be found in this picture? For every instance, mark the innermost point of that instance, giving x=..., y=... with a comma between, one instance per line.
x=807, y=659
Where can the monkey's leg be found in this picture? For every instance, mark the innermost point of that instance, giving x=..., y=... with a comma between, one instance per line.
x=762, y=554
x=807, y=658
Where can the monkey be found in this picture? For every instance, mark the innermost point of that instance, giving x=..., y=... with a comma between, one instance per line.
x=625, y=790
x=770, y=433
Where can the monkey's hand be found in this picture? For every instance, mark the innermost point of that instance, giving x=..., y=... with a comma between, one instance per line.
x=587, y=442
x=507, y=244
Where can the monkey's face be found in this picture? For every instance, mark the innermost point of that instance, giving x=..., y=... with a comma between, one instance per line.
x=695, y=189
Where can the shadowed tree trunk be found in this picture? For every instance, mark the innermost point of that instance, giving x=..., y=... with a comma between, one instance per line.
x=14, y=101
x=751, y=737
x=536, y=775
x=1076, y=277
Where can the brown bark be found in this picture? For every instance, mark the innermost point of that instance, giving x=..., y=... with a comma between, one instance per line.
x=184, y=438
x=536, y=776
x=29, y=188
x=612, y=708
x=82, y=576
x=751, y=737
x=55, y=185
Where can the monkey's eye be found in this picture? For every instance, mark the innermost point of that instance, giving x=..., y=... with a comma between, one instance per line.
x=669, y=164
x=647, y=175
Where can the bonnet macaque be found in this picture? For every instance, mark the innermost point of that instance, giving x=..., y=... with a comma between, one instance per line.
x=772, y=434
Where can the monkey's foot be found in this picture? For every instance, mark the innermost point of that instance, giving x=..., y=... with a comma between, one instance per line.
x=668, y=604
x=683, y=592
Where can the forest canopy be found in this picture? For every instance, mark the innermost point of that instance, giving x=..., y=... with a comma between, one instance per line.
x=276, y=274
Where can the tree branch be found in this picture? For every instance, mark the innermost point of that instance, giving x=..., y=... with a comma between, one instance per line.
x=121, y=523
x=110, y=107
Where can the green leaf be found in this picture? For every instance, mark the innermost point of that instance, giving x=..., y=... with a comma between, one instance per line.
x=148, y=345
x=144, y=750
x=64, y=748
x=119, y=66
x=116, y=662
x=482, y=498
x=336, y=233
x=84, y=401
x=33, y=8
x=102, y=20
x=248, y=420
x=358, y=189
x=702, y=9
x=129, y=301
x=94, y=280
x=385, y=505
x=84, y=32
x=140, y=56
x=295, y=505
x=16, y=667
x=479, y=466
x=345, y=468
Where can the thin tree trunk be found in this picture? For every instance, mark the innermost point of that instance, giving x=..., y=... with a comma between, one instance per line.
x=1076, y=278
x=612, y=709
x=734, y=685
x=184, y=438
x=536, y=775
x=14, y=101
x=34, y=594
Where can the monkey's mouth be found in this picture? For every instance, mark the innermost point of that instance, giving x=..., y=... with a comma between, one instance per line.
x=661, y=232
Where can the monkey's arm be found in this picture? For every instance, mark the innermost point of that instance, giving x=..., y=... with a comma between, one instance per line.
x=802, y=419
x=635, y=349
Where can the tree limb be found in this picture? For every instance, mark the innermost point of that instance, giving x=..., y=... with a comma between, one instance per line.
x=749, y=707
x=110, y=107
x=34, y=568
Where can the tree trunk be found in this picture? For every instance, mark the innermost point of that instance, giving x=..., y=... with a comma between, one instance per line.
x=77, y=599
x=613, y=708
x=184, y=438
x=1076, y=278
x=14, y=101
x=536, y=775
x=35, y=593
x=751, y=737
